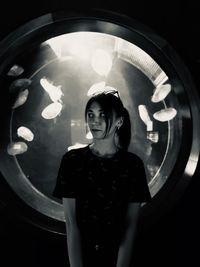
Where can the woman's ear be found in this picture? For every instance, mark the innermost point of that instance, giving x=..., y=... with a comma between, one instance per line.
x=120, y=122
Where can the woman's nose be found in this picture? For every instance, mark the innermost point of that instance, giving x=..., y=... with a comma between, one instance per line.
x=96, y=120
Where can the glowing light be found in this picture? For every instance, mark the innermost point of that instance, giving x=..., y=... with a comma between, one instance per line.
x=77, y=145
x=52, y=111
x=89, y=135
x=79, y=50
x=145, y=117
x=15, y=71
x=55, y=44
x=16, y=148
x=161, y=92
x=55, y=92
x=22, y=97
x=74, y=44
x=101, y=62
x=95, y=88
x=165, y=114
x=153, y=136
x=25, y=133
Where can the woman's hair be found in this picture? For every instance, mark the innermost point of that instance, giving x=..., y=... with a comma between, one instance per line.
x=111, y=103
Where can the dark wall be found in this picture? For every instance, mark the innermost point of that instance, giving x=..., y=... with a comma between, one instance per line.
x=172, y=240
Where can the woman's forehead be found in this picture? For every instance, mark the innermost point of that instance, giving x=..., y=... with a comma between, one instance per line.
x=95, y=106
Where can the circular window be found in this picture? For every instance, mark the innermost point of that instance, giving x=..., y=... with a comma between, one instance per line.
x=50, y=67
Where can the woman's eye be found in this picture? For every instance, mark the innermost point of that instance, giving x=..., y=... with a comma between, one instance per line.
x=90, y=115
x=102, y=114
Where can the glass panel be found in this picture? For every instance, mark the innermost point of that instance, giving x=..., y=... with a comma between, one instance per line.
x=49, y=101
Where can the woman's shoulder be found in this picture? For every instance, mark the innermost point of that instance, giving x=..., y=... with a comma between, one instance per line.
x=131, y=157
x=76, y=152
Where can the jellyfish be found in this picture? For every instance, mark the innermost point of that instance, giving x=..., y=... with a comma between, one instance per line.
x=52, y=111
x=15, y=148
x=21, y=99
x=144, y=115
x=15, y=71
x=95, y=88
x=19, y=85
x=55, y=92
x=153, y=136
x=101, y=62
x=161, y=93
x=25, y=133
x=165, y=114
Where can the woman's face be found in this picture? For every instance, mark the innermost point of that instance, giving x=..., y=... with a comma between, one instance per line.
x=97, y=123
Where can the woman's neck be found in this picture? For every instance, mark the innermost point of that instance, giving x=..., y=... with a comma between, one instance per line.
x=103, y=149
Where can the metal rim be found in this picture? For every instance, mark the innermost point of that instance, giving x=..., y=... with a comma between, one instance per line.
x=51, y=25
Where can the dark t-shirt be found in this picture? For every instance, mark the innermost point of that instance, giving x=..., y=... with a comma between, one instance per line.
x=102, y=187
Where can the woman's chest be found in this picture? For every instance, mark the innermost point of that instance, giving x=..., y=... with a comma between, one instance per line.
x=104, y=180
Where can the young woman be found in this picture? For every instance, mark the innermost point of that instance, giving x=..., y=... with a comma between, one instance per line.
x=102, y=186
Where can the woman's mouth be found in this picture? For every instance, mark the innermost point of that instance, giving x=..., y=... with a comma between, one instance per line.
x=95, y=130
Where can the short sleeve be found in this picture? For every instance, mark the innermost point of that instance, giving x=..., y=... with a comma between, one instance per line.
x=66, y=178
x=138, y=186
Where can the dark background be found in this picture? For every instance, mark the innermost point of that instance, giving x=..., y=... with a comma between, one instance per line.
x=174, y=239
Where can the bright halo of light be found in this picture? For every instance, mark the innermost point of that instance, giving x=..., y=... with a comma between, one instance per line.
x=161, y=93
x=144, y=115
x=165, y=114
x=78, y=45
x=52, y=111
x=16, y=148
x=76, y=49
x=25, y=133
x=101, y=62
x=70, y=44
x=55, y=92
x=21, y=99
